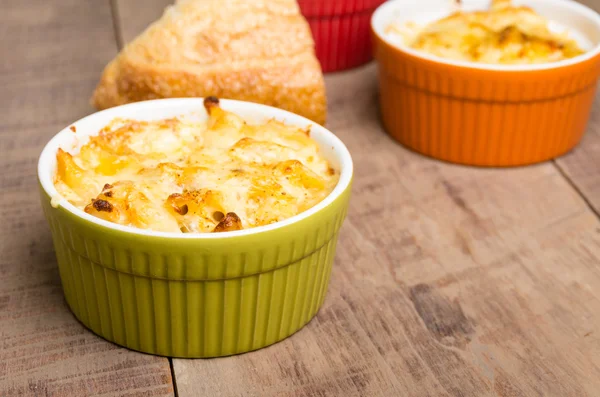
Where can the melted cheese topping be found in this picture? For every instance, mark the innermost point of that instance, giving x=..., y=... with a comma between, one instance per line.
x=501, y=35
x=176, y=175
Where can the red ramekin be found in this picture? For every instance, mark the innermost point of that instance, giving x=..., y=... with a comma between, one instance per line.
x=341, y=30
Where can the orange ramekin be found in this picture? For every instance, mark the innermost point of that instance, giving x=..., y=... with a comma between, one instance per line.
x=486, y=115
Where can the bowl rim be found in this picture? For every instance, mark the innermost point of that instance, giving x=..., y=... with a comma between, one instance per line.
x=46, y=173
x=391, y=5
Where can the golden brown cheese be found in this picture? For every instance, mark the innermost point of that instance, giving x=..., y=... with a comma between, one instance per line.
x=176, y=175
x=502, y=35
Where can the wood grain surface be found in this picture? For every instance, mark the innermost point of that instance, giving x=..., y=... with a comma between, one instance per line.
x=582, y=165
x=449, y=280
x=51, y=54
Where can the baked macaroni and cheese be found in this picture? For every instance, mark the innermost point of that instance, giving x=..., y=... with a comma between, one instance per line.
x=179, y=175
x=504, y=34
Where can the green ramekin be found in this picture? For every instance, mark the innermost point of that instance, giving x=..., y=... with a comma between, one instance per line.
x=194, y=295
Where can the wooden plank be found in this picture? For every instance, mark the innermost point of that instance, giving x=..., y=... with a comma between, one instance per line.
x=449, y=280
x=52, y=59
x=582, y=165
x=135, y=16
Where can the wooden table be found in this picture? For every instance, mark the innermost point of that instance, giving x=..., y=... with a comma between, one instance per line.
x=449, y=280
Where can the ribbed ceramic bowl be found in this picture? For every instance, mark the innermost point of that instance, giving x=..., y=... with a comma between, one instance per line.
x=194, y=295
x=486, y=115
x=341, y=31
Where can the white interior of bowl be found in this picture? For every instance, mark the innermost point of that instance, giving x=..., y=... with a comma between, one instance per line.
x=331, y=148
x=582, y=23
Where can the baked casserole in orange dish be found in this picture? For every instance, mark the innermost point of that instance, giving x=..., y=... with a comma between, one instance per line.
x=504, y=34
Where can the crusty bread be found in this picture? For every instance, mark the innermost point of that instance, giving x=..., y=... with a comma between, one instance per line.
x=259, y=51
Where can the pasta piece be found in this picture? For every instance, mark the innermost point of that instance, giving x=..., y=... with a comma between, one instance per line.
x=196, y=210
x=296, y=173
x=261, y=152
x=74, y=176
x=125, y=204
x=277, y=132
x=226, y=126
x=104, y=162
x=229, y=223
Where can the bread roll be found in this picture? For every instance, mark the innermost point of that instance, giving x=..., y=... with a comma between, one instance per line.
x=259, y=51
